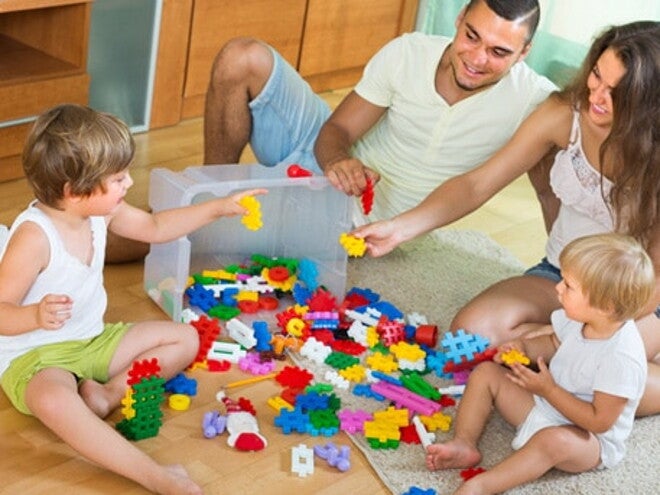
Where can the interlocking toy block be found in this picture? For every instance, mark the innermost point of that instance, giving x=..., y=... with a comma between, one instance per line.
x=436, y=362
x=262, y=335
x=398, y=417
x=404, y=350
x=143, y=406
x=339, y=360
x=353, y=421
x=201, y=297
x=358, y=332
x=438, y=421
x=223, y=312
x=208, y=330
x=322, y=300
x=312, y=401
x=425, y=437
x=382, y=362
x=308, y=273
x=514, y=356
x=334, y=456
x=468, y=473
x=278, y=403
x=179, y=402
x=465, y=366
x=368, y=316
x=367, y=198
x=252, y=219
x=354, y=246
x=302, y=460
x=336, y=379
x=348, y=347
x=213, y=424
x=391, y=331
x=415, y=490
x=128, y=411
x=143, y=369
x=315, y=350
x=292, y=376
x=241, y=333
x=415, y=383
x=366, y=391
x=354, y=373
x=226, y=351
x=181, y=384
x=290, y=421
x=403, y=397
x=295, y=171
x=461, y=346
x=252, y=363
x=323, y=422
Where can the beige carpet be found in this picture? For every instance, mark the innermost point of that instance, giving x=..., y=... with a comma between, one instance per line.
x=435, y=279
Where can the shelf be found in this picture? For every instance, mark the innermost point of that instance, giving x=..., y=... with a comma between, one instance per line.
x=22, y=63
x=43, y=62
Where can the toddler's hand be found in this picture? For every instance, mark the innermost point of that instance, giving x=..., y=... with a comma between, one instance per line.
x=512, y=345
x=53, y=311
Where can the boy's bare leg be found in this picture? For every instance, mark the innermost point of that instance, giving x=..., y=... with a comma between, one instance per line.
x=52, y=396
x=568, y=448
x=173, y=344
x=240, y=71
x=486, y=387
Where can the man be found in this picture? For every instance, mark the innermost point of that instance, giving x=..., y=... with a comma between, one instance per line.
x=427, y=107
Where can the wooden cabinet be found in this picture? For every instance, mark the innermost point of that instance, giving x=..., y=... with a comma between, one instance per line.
x=43, y=60
x=327, y=41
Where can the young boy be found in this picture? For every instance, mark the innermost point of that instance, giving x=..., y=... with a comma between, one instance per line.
x=576, y=415
x=58, y=361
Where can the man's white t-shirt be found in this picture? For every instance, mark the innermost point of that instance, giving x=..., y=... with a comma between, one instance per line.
x=422, y=141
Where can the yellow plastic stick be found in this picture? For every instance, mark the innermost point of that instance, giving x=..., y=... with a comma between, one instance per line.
x=247, y=381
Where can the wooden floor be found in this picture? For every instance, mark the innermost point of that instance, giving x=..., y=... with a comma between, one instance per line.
x=34, y=461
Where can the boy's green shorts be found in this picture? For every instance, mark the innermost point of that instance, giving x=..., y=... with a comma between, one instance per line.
x=84, y=358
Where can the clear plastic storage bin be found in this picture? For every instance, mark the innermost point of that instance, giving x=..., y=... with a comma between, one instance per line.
x=302, y=218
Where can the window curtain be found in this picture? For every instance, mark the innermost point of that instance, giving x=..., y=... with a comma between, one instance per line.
x=565, y=32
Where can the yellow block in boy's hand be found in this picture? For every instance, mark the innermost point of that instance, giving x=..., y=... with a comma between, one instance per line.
x=252, y=219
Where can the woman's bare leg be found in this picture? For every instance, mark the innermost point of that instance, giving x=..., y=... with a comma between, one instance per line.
x=509, y=309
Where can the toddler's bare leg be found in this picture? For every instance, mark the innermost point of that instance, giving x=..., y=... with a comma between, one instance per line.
x=568, y=448
x=486, y=387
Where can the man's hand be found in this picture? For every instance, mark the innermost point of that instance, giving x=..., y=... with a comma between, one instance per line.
x=350, y=176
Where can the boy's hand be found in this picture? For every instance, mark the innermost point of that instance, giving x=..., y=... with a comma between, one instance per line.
x=235, y=208
x=53, y=311
x=540, y=383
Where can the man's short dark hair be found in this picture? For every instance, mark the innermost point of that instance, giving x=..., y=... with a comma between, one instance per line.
x=527, y=11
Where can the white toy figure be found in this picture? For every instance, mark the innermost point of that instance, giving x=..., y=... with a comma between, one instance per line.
x=242, y=427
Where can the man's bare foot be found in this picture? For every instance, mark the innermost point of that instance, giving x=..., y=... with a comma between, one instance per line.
x=176, y=481
x=96, y=397
x=453, y=454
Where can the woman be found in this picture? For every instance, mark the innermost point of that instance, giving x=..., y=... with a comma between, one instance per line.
x=606, y=177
